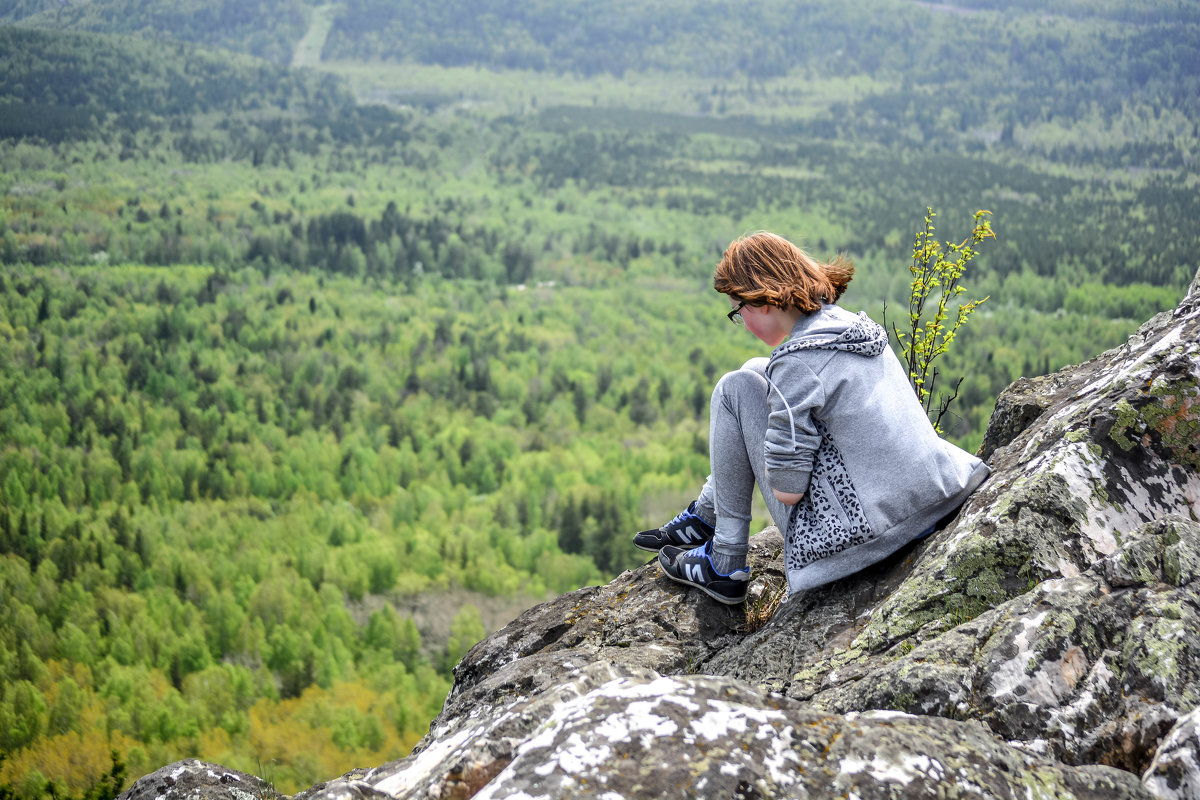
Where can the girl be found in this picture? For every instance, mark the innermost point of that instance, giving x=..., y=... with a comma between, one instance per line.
x=828, y=427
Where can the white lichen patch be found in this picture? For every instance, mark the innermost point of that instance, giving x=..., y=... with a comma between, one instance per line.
x=1135, y=356
x=1011, y=673
x=574, y=755
x=880, y=714
x=1152, y=496
x=638, y=719
x=1085, y=478
x=931, y=768
x=904, y=771
x=1036, y=747
x=728, y=719
x=964, y=784
x=1073, y=720
x=1190, y=493
x=682, y=702
x=1144, y=498
x=782, y=760
x=427, y=763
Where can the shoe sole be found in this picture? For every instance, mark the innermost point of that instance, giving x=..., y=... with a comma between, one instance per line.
x=668, y=544
x=720, y=598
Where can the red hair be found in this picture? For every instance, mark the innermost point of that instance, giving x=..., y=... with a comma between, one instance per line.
x=767, y=270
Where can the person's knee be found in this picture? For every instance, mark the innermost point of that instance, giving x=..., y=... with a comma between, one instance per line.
x=740, y=383
x=757, y=364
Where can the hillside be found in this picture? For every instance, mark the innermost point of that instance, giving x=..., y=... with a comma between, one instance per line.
x=268, y=29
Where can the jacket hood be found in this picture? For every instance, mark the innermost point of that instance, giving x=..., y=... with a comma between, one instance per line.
x=826, y=331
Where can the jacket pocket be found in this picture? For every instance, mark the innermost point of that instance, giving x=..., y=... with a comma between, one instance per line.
x=829, y=519
x=831, y=512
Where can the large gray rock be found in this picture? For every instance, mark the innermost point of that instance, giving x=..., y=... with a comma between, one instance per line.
x=610, y=732
x=1046, y=642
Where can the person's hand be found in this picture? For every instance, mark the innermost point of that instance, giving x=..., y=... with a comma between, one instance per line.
x=788, y=498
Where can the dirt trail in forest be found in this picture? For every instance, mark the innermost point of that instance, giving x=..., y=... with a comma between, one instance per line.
x=308, y=49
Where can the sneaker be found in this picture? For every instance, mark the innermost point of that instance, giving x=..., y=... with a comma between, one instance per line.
x=695, y=568
x=686, y=530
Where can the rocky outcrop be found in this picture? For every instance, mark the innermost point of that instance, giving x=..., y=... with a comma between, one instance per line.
x=1045, y=642
x=1175, y=771
x=192, y=779
x=609, y=731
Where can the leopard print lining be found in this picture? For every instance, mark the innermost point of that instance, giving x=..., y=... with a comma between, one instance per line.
x=829, y=518
x=865, y=337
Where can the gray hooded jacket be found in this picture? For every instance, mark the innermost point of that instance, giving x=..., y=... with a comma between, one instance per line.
x=846, y=429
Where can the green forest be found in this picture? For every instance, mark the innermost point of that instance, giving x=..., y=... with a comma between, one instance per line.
x=292, y=353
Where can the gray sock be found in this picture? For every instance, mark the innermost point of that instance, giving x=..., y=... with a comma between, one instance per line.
x=730, y=545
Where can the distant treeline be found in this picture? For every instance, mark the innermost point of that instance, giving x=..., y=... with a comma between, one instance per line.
x=45, y=76
x=937, y=43
x=1106, y=52
x=268, y=29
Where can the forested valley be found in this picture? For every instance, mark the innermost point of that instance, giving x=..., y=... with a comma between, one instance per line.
x=289, y=348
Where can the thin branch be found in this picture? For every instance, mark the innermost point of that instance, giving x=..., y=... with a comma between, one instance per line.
x=937, y=423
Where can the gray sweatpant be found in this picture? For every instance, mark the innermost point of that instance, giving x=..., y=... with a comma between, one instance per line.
x=737, y=432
